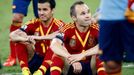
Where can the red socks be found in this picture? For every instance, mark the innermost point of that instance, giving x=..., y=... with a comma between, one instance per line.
x=57, y=65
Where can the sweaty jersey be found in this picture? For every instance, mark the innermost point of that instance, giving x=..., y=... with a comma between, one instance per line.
x=36, y=27
x=77, y=42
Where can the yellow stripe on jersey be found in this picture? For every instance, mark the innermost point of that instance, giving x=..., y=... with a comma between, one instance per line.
x=43, y=47
x=32, y=21
x=37, y=29
x=42, y=34
x=58, y=23
x=55, y=68
x=95, y=26
x=41, y=31
x=67, y=26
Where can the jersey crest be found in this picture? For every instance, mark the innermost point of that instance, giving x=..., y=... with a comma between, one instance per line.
x=72, y=42
x=91, y=41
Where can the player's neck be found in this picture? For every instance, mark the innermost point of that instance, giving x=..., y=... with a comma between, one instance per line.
x=47, y=23
x=82, y=28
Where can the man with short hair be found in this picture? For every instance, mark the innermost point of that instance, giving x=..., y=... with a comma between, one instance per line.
x=78, y=39
x=40, y=56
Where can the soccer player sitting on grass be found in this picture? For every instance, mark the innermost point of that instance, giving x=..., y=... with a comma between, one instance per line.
x=78, y=42
x=19, y=9
x=36, y=59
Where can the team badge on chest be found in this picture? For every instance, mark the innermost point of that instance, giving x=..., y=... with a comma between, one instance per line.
x=91, y=41
x=72, y=42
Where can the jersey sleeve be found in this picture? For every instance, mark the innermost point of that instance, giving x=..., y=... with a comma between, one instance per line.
x=60, y=36
x=95, y=30
x=30, y=26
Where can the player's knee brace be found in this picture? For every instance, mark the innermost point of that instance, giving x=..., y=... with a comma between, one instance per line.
x=113, y=67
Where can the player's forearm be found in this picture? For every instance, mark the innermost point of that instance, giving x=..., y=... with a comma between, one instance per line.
x=47, y=37
x=16, y=38
x=44, y=38
x=92, y=51
x=58, y=49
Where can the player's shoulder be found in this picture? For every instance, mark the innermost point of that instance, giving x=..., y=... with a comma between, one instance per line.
x=67, y=27
x=33, y=21
x=58, y=23
x=95, y=26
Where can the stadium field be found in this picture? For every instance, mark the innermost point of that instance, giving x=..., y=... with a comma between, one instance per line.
x=61, y=12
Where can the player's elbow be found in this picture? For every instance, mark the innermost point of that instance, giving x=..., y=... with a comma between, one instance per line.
x=53, y=45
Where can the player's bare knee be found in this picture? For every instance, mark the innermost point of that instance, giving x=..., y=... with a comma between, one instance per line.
x=113, y=67
x=17, y=18
x=30, y=51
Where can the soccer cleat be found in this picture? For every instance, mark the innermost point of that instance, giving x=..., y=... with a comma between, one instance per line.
x=25, y=71
x=38, y=72
x=10, y=62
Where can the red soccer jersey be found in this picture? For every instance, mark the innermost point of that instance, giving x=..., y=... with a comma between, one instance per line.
x=36, y=27
x=77, y=42
x=130, y=2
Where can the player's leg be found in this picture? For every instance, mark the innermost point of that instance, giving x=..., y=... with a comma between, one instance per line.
x=35, y=63
x=93, y=65
x=113, y=67
x=110, y=43
x=45, y=66
x=22, y=54
x=19, y=11
x=99, y=66
x=128, y=41
x=57, y=65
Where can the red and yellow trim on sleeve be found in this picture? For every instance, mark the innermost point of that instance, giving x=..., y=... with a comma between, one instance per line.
x=32, y=21
x=58, y=22
x=55, y=68
x=67, y=26
x=95, y=26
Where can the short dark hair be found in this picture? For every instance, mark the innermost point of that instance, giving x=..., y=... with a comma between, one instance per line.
x=51, y=2
x=72, y=8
